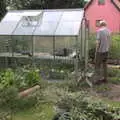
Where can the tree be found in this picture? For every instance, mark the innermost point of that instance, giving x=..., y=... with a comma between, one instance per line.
x=56, y=4
x=2, y=8
x=45, y=4
x=39, y=4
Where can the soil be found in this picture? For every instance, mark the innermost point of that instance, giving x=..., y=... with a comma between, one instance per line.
x=109, y=61
x=112, y=92
x=115, y=92
x=114, y=61
x=109, y=90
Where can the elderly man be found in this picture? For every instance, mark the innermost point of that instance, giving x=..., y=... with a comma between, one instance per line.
x=102, y=49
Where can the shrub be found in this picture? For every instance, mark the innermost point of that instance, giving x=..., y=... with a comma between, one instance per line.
x=9, y=100
x=114, y=49
x=114, y=76
x=32, y=76
x=21, y=78
x=7, y=78
x=113, y=72
x=115, y=80
x=82, y=106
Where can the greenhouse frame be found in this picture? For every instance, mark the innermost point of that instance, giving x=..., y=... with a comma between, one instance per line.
x=59, y=36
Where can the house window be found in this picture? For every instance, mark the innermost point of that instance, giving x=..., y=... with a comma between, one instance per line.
x=101, y=2
x=98, y=23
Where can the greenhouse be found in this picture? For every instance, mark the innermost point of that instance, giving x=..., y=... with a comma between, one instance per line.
x=45, y=37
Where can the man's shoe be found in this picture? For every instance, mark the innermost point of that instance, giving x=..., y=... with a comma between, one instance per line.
x=103, y=80
x=99, y=82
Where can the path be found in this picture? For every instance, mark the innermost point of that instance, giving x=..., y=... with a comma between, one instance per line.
x=115, y=92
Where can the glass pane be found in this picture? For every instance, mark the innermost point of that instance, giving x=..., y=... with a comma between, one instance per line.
x=51, y=16
x=27, y=25
x=31, y=13
x=72, y=16
x=65, y=46
x=6, y=28
x=22, y=45
x=5, y=46
x=43, y=46
x=16, y=16
x=67, y=42
x=12, y=17
x=46, y=28
x=68, y=28
x=24, y=30
x=48, y=23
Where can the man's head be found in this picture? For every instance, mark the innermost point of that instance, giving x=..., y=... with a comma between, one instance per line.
x=103, y=23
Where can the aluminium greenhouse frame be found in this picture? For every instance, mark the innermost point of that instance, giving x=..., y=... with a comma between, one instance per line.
x=81, y=36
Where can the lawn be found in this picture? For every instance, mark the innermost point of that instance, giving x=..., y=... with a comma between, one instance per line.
x=42, y=112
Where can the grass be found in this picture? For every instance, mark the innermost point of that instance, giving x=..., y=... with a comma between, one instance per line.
x=102, y=88
x=42, y=112
x=114, y=75
x=112, y=103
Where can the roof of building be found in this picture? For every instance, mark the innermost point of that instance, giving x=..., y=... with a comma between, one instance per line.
x=60, y=22
x=115, y=2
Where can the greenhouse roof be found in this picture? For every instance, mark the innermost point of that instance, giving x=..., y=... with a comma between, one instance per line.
x=59, y=22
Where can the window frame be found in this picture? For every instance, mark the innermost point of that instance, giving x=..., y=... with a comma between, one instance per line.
x=97, y=23
x=101, y=2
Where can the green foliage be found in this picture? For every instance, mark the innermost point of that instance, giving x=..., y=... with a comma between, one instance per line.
x=8, y=97
x=92, y=40
x=45, y=111
x=39, y=4
x=115, y=80
x=5, y=115
x=116, y=114
x=113, y=72
x=115, y=47
x=7, y=78
x=45, y=4
x=82, y=106
x=2, y=8
x=55, y=70
x=26, y=102
x=13, y=81
x=114, y=76
x=9, y=100
x=102, y=88
x=21, y=78
x=32, y=76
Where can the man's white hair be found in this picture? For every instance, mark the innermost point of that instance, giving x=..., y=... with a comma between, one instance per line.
x=103, y=23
